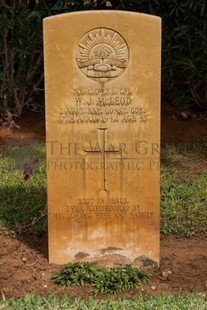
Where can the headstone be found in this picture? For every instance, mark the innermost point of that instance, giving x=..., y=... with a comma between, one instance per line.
x=102, y=76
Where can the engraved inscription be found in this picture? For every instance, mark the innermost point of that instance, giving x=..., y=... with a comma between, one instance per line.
x=102, y=106
x=105, y=208
x=102, y=54
x=102, y=115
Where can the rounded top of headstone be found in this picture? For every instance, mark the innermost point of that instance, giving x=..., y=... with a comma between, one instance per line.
x=102, y=54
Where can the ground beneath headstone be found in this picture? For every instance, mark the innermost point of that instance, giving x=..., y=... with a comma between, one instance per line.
x=25, y=269
x=24, y=266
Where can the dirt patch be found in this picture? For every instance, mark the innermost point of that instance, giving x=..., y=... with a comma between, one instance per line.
x=32, y=127
x=25, y=269
x=177, y=129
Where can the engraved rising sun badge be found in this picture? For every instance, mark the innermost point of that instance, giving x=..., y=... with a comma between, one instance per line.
x=102, y=54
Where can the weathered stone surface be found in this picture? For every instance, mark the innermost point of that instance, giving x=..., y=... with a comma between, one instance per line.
x=102, y=76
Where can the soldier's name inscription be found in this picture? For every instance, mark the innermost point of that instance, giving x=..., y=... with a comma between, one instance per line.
x=92, y=105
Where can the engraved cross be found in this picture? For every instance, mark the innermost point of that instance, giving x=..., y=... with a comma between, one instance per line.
x=103, y=152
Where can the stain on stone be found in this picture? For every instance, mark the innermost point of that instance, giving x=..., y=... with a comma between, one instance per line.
x=110, y=249
x=145, y=262
x=80, y=255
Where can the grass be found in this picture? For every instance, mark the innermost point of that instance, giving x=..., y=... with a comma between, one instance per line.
x=183, y=204
x=22, y=201
x=192, y=301
x=183, y=189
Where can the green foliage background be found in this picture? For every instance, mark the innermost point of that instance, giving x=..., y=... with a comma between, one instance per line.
x=184, y=66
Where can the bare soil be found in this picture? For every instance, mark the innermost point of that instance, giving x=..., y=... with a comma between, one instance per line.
x=25, y=269
x=24, y=266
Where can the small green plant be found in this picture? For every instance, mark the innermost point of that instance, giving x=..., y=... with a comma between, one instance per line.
x=102, y=280
x=119, y=279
